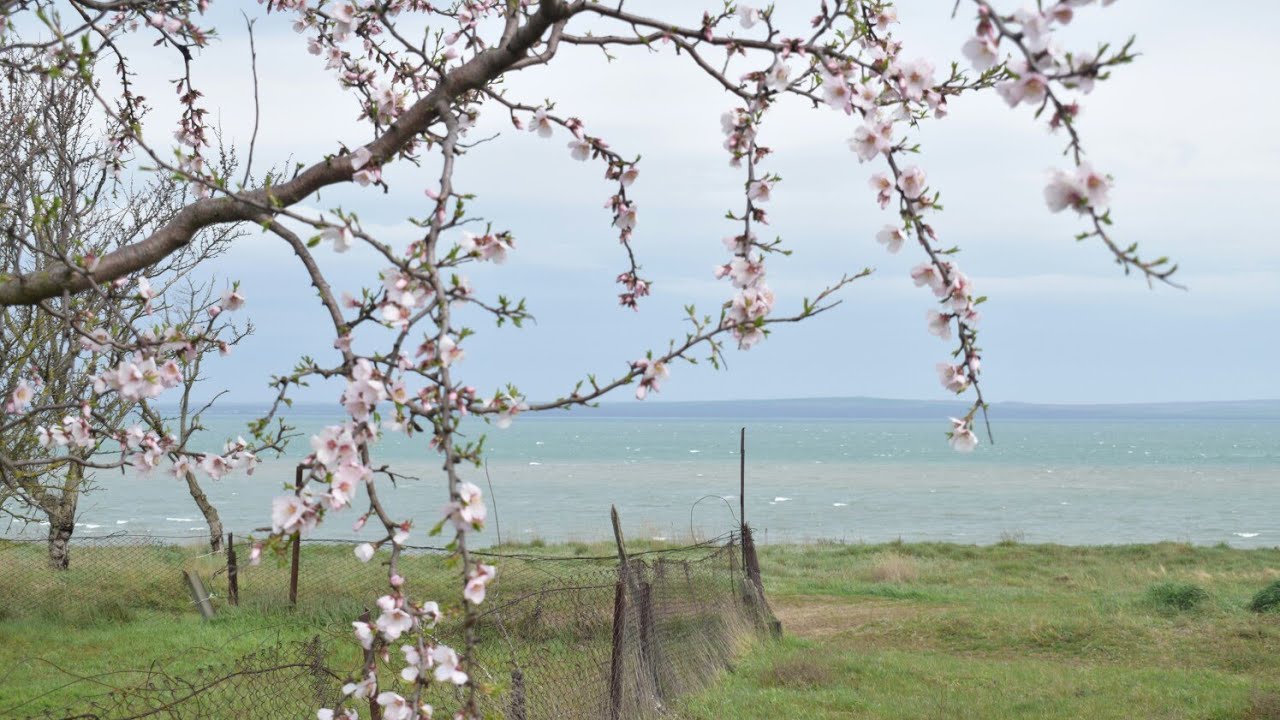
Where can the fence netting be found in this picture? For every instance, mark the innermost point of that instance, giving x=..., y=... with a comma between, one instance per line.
x=558, y=636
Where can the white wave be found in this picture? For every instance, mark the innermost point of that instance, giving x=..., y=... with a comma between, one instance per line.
x=121, y=522
x=839, y=504
x=1245, y=535
x=93, y=527
x=695, y=451
x=535, y=463
x=180, y=519
x=780, y=499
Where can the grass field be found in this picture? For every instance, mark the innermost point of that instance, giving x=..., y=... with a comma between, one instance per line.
x=1010, y=631
x=871, y=631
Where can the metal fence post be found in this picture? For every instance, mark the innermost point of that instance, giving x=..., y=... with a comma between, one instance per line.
x=517, y=696
x=297, y=549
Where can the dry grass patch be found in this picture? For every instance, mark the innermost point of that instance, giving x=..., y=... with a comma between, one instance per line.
x=1263, y=706
x=798, y=671
x=892, y=567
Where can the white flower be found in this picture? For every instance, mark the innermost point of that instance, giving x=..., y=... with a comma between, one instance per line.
x=364, y=551
x=939, y=324
x=364, y=634
x=912, y=182
x=778, y=76
x=541, y=124
x=1065, y=191
x=232, y=300
x=580, y=149
x=394, y=622
x=891, y=237
x=478, y=580
x=395, y=707
x=290, y=513
x=952, y=377
x=446, y=662
x=982, y=52
x=360, y=158
x=748, y=16
x=962, y=437
x=872, y=138
x=340, y=236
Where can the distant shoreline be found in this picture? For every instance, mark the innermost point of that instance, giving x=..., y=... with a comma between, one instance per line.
x=860, y=408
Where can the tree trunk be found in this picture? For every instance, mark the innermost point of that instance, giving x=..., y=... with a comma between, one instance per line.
x=210, y=512
x=61, y=525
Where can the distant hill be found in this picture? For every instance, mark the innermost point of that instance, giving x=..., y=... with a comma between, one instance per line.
x=861, y=408
x=858, y=408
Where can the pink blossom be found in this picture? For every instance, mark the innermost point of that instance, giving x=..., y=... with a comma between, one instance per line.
x=891, y=236
x=872, y=138
x=394, y=622
x=21, y=397
x=290, y=513
x=759, y=191
x=912, y=182
x=478, y=580
x=982, y=51
x=363, y=689
x=883, y=186
x=939, y=324
x=580, y=149
x=360, y=158
x=777, y=77
x=953, y=377
x=339, y=236
x=961, y=436
x=446, y=665
x=541, y=123
x=395, y=707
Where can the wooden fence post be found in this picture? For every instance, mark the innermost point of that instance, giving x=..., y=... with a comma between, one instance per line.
x=517, y=696
x=616, y=658
x=233, y=572
x=648, y=648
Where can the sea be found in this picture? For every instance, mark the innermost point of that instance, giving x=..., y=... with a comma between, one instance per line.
x=674, y=477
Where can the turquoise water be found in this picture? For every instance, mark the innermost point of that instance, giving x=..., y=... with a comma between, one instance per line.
x=1072, y=482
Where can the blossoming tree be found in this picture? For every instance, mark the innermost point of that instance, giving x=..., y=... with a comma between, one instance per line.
x=423, y=73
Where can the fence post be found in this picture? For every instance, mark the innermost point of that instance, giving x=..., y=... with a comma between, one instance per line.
x=517, y=696
x=233, y=572
x=199, y=596
x=757, y=583
x=647, y=646
x=619, y=638
x=297, y=548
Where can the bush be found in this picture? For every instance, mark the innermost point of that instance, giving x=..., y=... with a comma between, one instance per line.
x=1176, y=596
x=1267, y=599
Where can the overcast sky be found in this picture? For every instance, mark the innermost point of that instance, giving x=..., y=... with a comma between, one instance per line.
x=1188, y=132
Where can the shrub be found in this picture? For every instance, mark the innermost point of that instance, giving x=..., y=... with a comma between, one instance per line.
x=1267, y=599
x=1176, y=596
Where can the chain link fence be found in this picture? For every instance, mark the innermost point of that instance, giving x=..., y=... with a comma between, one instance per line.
x=557, y=637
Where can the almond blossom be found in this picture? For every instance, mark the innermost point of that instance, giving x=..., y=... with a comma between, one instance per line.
x=892, y=237
x=477, y=580
x=446, y=665
x=962, y=437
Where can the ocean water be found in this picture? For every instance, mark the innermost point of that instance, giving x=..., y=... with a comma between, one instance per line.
x=1073, y=482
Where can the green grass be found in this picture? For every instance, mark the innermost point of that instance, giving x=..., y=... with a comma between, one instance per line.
x=871, y=631
x=1010, y=631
